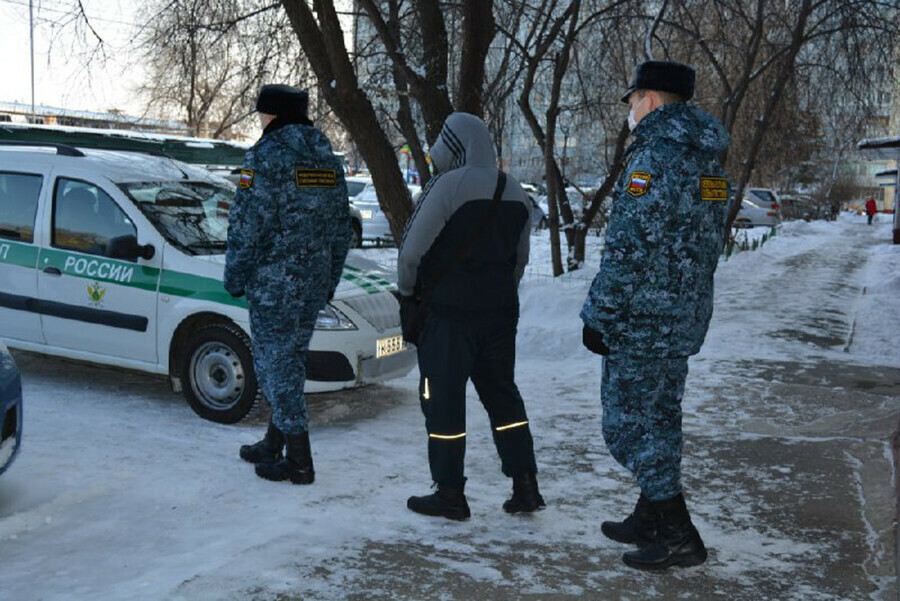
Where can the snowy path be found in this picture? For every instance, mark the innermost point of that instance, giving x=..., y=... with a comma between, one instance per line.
x=122, y=493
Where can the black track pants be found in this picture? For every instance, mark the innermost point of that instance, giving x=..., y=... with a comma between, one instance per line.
x=452, y=350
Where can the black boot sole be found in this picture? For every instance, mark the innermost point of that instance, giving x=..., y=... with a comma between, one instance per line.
x=301, y=478
x=456, y=516
x=682, y=562
x=530, y=508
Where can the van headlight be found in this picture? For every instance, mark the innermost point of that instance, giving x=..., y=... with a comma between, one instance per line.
x=331, y=319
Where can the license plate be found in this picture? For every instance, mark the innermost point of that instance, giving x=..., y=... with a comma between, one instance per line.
x=390, y=346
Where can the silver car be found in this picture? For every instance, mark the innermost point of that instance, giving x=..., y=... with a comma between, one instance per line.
x=756, y=213
x=375, y=224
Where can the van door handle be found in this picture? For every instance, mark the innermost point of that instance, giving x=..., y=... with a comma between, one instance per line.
x=52, y=271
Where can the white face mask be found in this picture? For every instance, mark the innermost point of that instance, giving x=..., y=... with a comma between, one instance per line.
x=632, y=122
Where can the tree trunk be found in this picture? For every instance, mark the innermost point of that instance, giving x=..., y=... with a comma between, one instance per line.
x=478, y=32
x=323, y=43
x=600, y=195
x=431, y=91
x=560, y=68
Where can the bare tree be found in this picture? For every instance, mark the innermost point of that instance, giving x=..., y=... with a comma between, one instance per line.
x=206, y=60
x=755, y=53
x=420, y=59
x=547, y=49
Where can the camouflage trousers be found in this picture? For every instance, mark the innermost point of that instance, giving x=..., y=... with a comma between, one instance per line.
x=281, y=338
x=642, y=420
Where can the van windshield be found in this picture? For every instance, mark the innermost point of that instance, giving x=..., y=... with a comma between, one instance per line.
x=192, y=216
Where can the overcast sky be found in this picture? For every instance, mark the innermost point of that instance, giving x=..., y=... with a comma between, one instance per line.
x=61, y=78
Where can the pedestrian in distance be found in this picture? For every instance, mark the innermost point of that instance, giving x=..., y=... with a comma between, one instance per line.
x=461, y=259
x=288, y=237
x=649, y=306
x=871, y=209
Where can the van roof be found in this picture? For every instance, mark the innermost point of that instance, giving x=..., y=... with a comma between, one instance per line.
x=119, y=166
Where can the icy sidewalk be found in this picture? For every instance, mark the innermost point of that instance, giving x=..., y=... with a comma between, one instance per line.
x=122, y=493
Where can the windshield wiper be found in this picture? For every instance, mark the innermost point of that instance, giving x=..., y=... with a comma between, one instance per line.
x=215, y=244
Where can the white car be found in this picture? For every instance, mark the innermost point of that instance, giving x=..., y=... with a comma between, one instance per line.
x=117, y=258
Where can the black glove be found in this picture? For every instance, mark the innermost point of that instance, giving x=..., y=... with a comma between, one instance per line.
x=593, y=341
x=412, y=318
x=236, y=294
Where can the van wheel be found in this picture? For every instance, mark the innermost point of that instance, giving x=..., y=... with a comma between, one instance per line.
x=217, y=370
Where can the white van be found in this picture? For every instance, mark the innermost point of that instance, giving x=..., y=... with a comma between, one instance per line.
x=117, y=258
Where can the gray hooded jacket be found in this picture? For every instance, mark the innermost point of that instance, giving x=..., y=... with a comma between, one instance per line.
x=453, y=207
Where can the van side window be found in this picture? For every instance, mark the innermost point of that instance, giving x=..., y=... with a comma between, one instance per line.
x=85, y=218
x=19, y=194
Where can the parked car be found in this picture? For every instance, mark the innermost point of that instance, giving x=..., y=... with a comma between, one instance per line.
x=754, y=213
x=376, y=228
x=118, y=257
x=10, y=409
x=768, y=200
x=356, y=184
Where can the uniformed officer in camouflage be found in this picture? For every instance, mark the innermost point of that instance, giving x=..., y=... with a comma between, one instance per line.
x=289, y=232
x=649, y=306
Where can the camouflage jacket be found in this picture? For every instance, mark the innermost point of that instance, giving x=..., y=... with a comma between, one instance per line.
x=653, y=295
x=289, y=224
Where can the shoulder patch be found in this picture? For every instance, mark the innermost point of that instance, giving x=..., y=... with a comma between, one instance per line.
x=246, y=178
x=713, y=188
x=316, y=178
x=638, y=183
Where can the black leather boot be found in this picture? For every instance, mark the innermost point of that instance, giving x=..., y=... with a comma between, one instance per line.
x=267, y=450
x=296, y=465
x=448, y=501
x=677, y=541
x=639, y=528
x=526, y=497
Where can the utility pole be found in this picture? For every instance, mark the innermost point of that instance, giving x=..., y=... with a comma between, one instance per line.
x=31, y=39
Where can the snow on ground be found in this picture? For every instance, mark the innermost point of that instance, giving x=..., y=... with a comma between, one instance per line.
x=120, y=492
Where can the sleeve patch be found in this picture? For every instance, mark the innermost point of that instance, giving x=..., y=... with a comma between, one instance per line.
x=246, y=178
x=638, y=183
x=316, y=178
x=713, y=188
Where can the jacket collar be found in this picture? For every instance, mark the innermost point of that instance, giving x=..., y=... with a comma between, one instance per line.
x=279, y=122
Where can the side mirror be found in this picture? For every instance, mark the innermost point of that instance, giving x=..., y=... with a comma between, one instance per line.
x=127, y=248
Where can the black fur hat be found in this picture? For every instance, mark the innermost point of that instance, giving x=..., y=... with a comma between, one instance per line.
x=663, y=76
x=284, y=101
